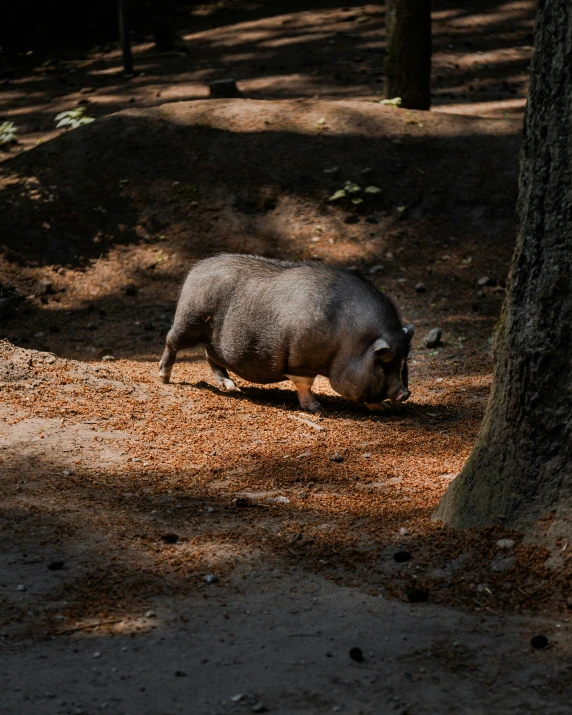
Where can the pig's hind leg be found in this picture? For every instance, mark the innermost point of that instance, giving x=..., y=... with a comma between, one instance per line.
x=176, y=340
x=305, y=396
x=221, y=377
x=167, y=361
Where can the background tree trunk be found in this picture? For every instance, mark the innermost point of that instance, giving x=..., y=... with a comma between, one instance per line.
x=124, y=35
x=520, y=469
x=163, y=20
x=408, y=59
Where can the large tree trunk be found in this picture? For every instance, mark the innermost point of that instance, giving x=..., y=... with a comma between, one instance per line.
x=408, y=59
x=519, y=473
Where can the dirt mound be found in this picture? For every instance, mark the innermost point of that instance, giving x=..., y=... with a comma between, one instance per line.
x=112, y=214
x=230, y=174
x=17, y=364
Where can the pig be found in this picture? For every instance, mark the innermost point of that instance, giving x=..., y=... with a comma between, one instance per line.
x=267, y=320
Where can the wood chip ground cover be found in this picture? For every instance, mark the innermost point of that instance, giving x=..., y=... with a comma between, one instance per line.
x=187, y=452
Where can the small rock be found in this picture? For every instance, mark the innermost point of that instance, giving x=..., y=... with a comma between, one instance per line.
x=501, y=564
x=367, y=455
x=210, y=578
x=433, y=338
x=56, y=565
x=67, y=472
x=238, y=698
x=420, y=288
x=170, y=538
x=356, y=654
x=539, y=641
x=107, y=358
x=210, y=510
x=21, y=587
x=45, y=287
x=92, y=326
x=375, y=269
x=401, y=556
x=259, y=707
x=278, y=500
x=336, y=457
x=97, y=654
x=224, y=89
x=554, y=562
x=486, y=281
x=150, y=614
x=505, y=543
x=131, y=289
x=404, y=531
x=417, y=595
x=242, y=502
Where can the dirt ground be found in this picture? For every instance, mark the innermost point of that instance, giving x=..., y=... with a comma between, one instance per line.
x=170, y=548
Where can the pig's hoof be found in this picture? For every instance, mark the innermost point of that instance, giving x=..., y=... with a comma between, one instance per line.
x=311, y=405
x=165, y=377
x=376, y=406
x=226, y=384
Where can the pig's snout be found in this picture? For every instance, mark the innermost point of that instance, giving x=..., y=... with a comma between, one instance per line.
x=402, y=395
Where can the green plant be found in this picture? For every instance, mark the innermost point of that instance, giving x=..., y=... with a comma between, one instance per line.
x=72, y=119
x=393, y=102
x=351, y=191
x=8, y=133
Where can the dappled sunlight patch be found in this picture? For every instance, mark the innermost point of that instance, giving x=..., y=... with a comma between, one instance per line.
x=96, y=627
x=484, y=109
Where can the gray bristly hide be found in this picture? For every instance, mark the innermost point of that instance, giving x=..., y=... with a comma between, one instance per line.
x=266, y=320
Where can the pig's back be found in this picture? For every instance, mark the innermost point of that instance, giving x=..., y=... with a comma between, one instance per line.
x=273, y=318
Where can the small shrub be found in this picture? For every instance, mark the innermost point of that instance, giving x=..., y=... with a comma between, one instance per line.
x=72, y=119
x=8, y=133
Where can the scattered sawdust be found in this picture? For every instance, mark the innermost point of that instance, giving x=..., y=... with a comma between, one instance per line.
x=190, y=451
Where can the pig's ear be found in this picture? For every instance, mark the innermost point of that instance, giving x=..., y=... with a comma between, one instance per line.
x=381, y=348
x=409, y=331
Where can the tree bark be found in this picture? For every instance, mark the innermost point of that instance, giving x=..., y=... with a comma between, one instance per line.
x=124, y=35
x=408, y=59
x=519, y=473
x=162, y=20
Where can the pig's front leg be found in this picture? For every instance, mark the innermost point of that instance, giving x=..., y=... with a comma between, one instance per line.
x=221, y=377
x=305, y=396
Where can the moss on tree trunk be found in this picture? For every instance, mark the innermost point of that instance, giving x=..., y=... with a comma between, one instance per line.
x=519, y=473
